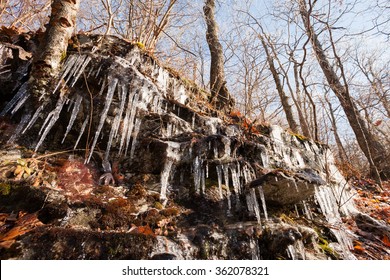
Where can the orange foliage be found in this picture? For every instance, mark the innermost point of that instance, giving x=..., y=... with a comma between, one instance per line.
x=235, y=114
x=386, y=241
x=143, y=230
x=247, y=124
x=25, y=223
x=358, y=248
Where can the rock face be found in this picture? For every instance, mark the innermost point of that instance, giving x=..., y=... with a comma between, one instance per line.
x=191, y=183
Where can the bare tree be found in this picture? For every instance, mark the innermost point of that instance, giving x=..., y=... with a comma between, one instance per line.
x=279, y=87
x=47, y=63
x=331, y=113
x=219, y=93
x=24, y=14
x=372, y=148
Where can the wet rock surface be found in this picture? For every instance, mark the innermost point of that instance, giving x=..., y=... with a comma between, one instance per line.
x=188, y=182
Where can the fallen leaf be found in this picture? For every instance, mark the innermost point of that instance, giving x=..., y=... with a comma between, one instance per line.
x=24, y=224
x=358, y=248
x=386, y=241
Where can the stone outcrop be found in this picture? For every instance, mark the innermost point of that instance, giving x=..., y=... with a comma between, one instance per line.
x=190, y=182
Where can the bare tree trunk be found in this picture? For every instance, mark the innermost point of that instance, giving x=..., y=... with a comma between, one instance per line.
x=308, y=95
x=219, y=93
x=53, y=49
x=298, y=102
x=283, y=97
x=341, y=151
x=373, y=150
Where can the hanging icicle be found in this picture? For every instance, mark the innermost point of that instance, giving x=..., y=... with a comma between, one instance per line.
x=51, y=119
x=21, y=95
x=73, y=116
x=137, y=127
x=112, y=83
x=117, y=120
x=197, y=170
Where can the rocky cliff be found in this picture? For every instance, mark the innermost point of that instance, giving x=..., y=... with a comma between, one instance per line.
x=179, y=180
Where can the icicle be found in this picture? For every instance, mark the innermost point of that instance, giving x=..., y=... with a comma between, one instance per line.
x=219, y=175
x=168, y=130
x=69, y=64
x=90, y=72
x=254, y=246
x=131, y=121
x=235, y=180
x=98, y=71
x=20, y=103
x=227, y=149
x=72, y=70
x=53, y=117
x=252, y=204
x=20, y=95
x=81, y=70
x=207, y=169
x=103, y=86
x=162, y=78
x=247, y=174
x=291, y=252
x=137, y=127
x=307, y=146
x=225, y=170
x=126, y=120
x=203, y=181
x=308, y=213
x=296, y=186
x=165, y=179
x=156, y=104
x=34, y=117
x=117, y=120
x=300, y=161
x=124, y=91
x=21, y=125
x=193, y=121
x=296, y=210
x=75, y=111
x=276, y=133
x=262, y=198
x=173, y=155
x=215, y=148
x=81, y=132
x=301, y=249
x=197, y=169
x=264, y=159
x=110, y=93
x=330, y=209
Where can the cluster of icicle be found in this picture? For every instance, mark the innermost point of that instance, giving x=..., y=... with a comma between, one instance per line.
x=139, y=92
x=333, y=199
x=233, y=177
x=136, y=92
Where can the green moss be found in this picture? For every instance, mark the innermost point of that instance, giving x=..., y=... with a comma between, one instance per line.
x=287, y=219
x=324, y=245
x=63, y=56
x=140, y=45
x=299, y=136
x=158, y=205
x=5, y=189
